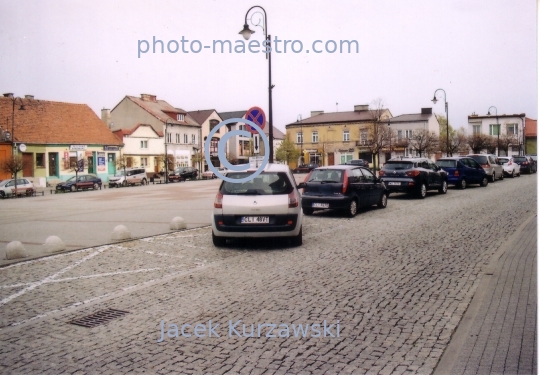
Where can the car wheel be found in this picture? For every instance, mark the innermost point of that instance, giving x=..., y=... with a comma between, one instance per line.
x=422, y=191
x=463, y=184
x=513, y=174
x=144, y=182
x=2, y=194
x=444, y=188
x=307, y=211
x=493, y=177
x=383, y=201
x=353, y=208
x=124, y=184
x=502, y=176
x=73, y=188
x=219, y=241
x=96, y=186
x=297, y=240
x=519, y=174
x=484, y=182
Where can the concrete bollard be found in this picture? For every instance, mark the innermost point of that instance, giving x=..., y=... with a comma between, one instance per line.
x=53, y=244
x=120, y=232
x=178, y=223
x=15, y=250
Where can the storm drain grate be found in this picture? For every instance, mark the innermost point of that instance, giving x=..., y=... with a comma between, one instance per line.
x=99, y=318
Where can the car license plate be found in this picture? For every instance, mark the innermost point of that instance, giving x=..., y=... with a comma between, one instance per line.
x=255, y=220
x=394, y=183
x=320, y=205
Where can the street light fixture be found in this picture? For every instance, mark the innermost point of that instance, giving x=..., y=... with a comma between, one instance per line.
x=246, y=33
x=434, y=100
x=498, y=128
x=166, y=155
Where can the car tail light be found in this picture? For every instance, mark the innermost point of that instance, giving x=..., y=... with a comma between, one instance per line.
x=456, y=173
x=293, y=200
x=345, y=182
x=381, y=173
x=218, y=202
x=412, y=173
x=485, y=165
x=525, y=163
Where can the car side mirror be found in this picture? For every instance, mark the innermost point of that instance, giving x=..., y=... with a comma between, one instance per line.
x=301, y=185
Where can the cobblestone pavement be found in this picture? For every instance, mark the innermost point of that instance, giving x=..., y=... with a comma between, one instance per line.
x=398, y=280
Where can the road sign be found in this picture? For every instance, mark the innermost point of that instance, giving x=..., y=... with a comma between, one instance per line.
x=256, y=115
x=256, y=144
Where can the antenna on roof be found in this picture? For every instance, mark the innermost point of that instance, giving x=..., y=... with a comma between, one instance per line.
x=337, y=107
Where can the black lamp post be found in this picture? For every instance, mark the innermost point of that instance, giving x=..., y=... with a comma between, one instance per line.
x=390, y=136
x=166, y=155
x=299, y=119
x=246, y=33
x=498, y=128
x=524, y=147
x=434, y=100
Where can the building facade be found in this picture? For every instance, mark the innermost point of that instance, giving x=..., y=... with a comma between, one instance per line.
x=503, y=129
x=209, y=119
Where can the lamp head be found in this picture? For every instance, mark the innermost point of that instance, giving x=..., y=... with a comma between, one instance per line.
x=246, y=32
x=434, y=100
x=489, y=114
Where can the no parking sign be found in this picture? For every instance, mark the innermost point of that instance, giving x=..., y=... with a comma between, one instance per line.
x=256, y=115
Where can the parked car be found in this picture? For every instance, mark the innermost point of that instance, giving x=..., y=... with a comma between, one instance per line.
x=80, y=182
x=183, y=173
x=489, y=163
x=266, y=206
x=128, y=176
x=305, y=168
x=342, y=187
x=510, y=167
x=413, y=176
x=360, y=162
x=6, y=186
x=463, y=171
x=526, y=164
x=209, y=174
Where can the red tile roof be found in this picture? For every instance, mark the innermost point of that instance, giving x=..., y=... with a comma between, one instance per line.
x=201, y=116
x=46, y=122
x=163, y=111
x=530, y=127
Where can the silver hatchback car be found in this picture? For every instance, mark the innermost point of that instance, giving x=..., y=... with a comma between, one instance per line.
x=490, y=164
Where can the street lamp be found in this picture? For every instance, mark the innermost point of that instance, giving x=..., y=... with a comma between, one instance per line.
x=299, y=119
x=246, y=33
x=166, y=155
x=434, y=100
x=390, y=136
x=498, y=128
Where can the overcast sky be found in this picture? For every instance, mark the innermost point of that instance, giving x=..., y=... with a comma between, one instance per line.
x=482, y=53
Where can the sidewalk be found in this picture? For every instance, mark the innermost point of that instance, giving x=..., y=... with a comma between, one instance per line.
x=497, y=335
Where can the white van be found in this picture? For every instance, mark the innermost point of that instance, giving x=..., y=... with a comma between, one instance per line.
x=131, y=177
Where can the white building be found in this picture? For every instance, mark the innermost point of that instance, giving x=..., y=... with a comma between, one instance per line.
x=503, y=127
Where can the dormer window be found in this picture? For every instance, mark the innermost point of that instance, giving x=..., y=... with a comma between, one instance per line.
x=179, y=117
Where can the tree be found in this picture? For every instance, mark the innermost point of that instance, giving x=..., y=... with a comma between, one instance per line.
x=424, y=142
x=287, y=152
x=379, y=132
x=507, y=140
x=457, y=142
x=478, y=142
x=14, y=164
x=124, y=162
x=77, y=166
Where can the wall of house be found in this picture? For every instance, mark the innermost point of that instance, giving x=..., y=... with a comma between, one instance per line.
x=5, y=153
x=127, y=115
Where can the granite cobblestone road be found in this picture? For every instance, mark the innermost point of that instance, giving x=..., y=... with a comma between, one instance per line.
x=398, y=281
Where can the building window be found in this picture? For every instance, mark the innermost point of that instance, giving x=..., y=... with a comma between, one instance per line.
x=179, y=117
x=511, y=129
x=144, y=162
x=177, y=138
x=213, y=124
x=476, y=129
x=346, y=157
x=40, y=160
x=408, y=134
x=193, y=138
x=315, y=137
x=144, y=144
x=363, y=136
x=399, y=135
x=185, y=138
x=299, y=138
x=169, y=138
x=494, y=129
x=346, y=136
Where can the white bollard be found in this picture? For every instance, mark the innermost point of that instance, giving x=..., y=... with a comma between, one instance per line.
x=53, y=244
x=120, y=232
x=15, y=250
x=178, y=223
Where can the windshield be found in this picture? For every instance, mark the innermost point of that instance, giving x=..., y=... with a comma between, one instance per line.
x=119, y=173
x=3, y=183
x=480, y=158
x=398, y=165
x=326, y=175
x=503, y=161
x=446, y=163
x=267, y=183
x=72, y=179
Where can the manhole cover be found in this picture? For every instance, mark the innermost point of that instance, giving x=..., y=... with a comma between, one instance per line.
x=99, y=318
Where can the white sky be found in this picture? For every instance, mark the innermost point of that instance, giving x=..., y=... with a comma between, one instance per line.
x=482, y=53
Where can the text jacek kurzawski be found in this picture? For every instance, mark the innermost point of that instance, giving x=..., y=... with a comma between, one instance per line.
x=239, y=329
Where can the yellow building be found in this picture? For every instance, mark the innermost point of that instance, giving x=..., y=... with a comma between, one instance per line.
x=335, y=138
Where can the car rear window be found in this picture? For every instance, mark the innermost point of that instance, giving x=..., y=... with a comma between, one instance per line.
x=480, y=158
x=520, y=158
x=503, y=160
x=446, y=163
x=267, y=183
x=326, y=175
x=398, y=165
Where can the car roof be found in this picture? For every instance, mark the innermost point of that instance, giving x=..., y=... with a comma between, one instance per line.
x=341, y=166
x=408, y=159
x=454, y=157
x=270, y=167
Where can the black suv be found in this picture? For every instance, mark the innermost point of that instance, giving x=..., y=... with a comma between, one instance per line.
x=342, y=187
x=414, y=175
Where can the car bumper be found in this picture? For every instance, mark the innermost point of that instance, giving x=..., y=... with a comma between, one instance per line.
x=334, y=203
x=454, y=180
x=405, y=185
x=229, y=226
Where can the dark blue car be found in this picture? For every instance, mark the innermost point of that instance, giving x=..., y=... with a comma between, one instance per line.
x=463, y=171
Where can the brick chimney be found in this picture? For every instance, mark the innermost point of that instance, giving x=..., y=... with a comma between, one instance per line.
x=31, y=97
x=148, y=98
x=426, y=111
x=106, y=117
x=8, y=95
x=362, y=107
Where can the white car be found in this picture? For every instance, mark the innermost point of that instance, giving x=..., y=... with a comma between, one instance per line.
x=6, y=186
x=209, y=174
x=510, y=167
x=267, y=206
